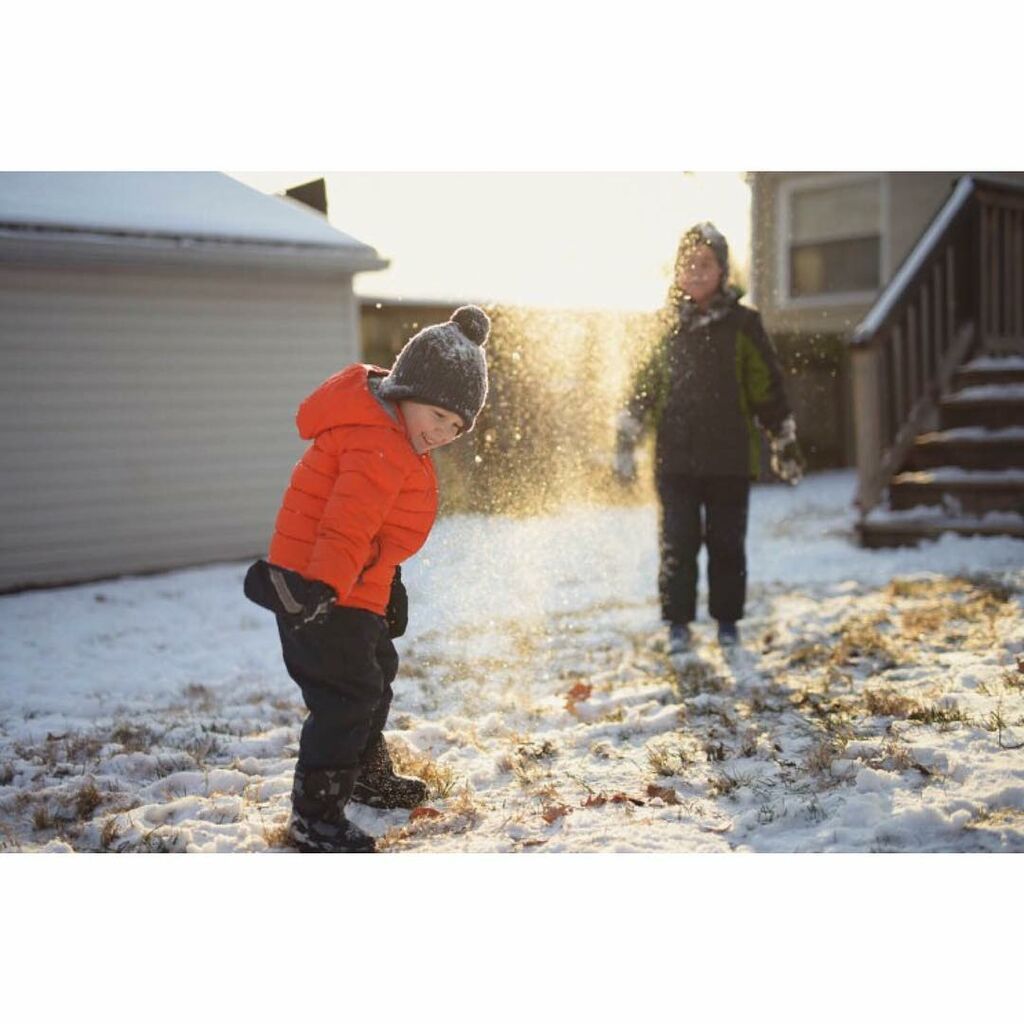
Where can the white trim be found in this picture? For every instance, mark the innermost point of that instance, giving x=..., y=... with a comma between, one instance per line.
x=783, y=222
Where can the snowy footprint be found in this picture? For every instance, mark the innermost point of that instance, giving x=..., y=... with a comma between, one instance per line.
x=742, y=667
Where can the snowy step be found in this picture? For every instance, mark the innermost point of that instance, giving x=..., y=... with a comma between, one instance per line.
x=884, y=528
x=960, y=490
x=970, y=448
x=993, y=406
x=990, y=370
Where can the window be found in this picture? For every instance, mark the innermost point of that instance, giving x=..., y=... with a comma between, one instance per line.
x=834, y=238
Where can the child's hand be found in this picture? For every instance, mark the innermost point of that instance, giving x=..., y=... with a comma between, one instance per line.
x=625, y=465
x=787, y=461
x=627, y=432
x=320, y=600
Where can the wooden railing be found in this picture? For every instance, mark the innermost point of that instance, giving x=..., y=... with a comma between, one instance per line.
x=1001, y=260
x=962, y=283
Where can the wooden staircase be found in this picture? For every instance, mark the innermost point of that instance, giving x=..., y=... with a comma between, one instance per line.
x=938, y=369
x=967, y=477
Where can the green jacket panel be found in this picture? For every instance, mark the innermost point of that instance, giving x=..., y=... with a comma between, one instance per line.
x=705, y=387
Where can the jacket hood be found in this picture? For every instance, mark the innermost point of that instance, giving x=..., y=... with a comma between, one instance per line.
x=344, y=400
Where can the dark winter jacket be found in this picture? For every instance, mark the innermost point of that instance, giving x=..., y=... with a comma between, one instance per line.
x=702, y=386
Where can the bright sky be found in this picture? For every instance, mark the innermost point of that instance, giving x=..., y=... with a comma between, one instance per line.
x=566, y=239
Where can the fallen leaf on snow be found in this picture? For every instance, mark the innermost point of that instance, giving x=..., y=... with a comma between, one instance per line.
x=555, y=811
x=423, y=812
x=667, y=793
x=581, y=691
x=621, y=798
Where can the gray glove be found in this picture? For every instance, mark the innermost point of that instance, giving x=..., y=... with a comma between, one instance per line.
x=625, y=465
x=786, y=459
x=627, y=431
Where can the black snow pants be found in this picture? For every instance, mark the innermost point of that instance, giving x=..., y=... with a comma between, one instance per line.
x=345, y=666
x=724, y=501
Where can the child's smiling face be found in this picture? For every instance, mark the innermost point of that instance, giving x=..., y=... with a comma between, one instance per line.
x=429, y=426
x=699, y=274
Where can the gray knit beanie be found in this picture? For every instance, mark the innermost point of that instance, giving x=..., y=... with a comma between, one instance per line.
x=444, y=365
x=705, y=233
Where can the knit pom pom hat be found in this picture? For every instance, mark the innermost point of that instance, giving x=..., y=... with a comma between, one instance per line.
x=705, y=233
x=444, y=365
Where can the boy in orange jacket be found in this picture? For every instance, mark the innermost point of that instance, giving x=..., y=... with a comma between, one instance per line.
x=362, y=499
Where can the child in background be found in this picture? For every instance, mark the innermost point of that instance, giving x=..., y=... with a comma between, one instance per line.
x=362, y=499
x=712, y=379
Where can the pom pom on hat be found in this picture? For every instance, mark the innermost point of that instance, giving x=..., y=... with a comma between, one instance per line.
x=474, y=323
x=444, y=365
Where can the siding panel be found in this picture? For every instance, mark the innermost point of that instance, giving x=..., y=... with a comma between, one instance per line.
x=147, y=419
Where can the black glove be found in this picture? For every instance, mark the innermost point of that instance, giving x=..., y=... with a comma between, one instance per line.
x=397, y=614
x=297, y=600
x=318, y=604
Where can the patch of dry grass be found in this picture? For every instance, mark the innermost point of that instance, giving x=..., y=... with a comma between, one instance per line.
x=896, y=755
x=204, y=698
x=87, y=799
x=861, y=637
x=697, y=676
x=933, y=587
x=818, y=759
x=809, y=654
x=887, y=703
x=669, y=757
x=461, y=814
x=946, y=608
x=110, y=832
x=133, y=739
x=276, y=836
x=941, y=715
x=440, y=778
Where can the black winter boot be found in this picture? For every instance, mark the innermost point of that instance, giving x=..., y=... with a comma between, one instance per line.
x=379, y=786
x=318, y=823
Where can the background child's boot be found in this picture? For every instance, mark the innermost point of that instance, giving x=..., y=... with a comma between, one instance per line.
x=379, y=786
x=318, y=823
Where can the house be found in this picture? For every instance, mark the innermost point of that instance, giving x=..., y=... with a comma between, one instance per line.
x=915, y=283
x=157, y=332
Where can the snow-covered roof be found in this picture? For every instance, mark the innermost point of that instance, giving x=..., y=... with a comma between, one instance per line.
x=178, y=205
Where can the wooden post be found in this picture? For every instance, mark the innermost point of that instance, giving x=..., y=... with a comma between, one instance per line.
x=983, y=309
x=950, y=324
x=913, y=380
x=1018, y=278
x=925, y=362
x=895, y=380
x=868, y=421
x=1006, y=304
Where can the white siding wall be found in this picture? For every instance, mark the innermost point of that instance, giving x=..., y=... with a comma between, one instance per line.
x=147, y=415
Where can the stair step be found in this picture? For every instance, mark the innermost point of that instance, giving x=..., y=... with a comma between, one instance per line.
x=968, y=447
x=883, y=529
x=964, y=490
x=990, y=370
x=993, y=406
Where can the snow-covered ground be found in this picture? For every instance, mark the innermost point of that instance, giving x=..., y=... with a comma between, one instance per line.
x=877, y=702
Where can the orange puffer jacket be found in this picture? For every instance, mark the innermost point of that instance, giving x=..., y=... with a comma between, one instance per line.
x=360, y=500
